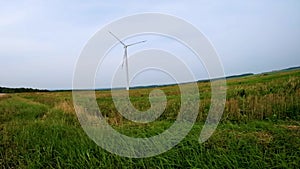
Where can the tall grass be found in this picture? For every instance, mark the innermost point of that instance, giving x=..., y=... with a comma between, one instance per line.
x=259, y=128
x=274, y=97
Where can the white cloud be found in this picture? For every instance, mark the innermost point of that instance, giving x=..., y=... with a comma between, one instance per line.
x=48, y=36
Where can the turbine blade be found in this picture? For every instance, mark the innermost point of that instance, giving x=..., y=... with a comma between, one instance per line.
x=124, y=59
x=136, y=43
x=123, y=63
x=117, y=38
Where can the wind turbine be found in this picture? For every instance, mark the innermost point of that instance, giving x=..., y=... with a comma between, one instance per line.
x=125, y=58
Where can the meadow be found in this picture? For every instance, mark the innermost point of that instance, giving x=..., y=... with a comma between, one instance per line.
x=260, y=128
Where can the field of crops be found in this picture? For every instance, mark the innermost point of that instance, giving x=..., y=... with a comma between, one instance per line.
x=260, y=128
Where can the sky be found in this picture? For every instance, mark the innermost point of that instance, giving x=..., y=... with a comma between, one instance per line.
x=40, y=41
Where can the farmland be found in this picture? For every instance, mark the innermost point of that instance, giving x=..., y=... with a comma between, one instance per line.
x=260, y=128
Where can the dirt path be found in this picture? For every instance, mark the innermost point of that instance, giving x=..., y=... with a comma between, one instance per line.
x=2, y=94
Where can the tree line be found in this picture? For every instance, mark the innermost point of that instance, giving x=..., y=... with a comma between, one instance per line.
x=20, y=90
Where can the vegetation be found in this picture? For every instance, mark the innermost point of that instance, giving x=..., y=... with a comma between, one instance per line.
x=20, y=90
x=260, y=128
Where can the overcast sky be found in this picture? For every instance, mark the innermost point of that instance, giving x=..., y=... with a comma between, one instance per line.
x=40, y=41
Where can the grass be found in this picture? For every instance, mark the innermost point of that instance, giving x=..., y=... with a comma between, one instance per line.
x=260, y=128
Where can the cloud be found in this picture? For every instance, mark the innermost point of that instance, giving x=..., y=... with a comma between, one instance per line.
x=43, y=39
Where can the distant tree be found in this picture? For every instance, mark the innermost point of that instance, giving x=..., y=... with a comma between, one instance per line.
x=20, y=90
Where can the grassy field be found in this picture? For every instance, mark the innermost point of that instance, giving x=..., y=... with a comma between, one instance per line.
x=260, y=128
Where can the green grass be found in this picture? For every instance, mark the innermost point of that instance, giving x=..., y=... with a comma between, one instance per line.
x=260, y=128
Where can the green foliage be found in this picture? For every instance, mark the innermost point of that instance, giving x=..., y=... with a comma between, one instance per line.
x=19, y=90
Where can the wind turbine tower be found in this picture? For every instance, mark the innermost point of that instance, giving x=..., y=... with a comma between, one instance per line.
x=125, y=58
